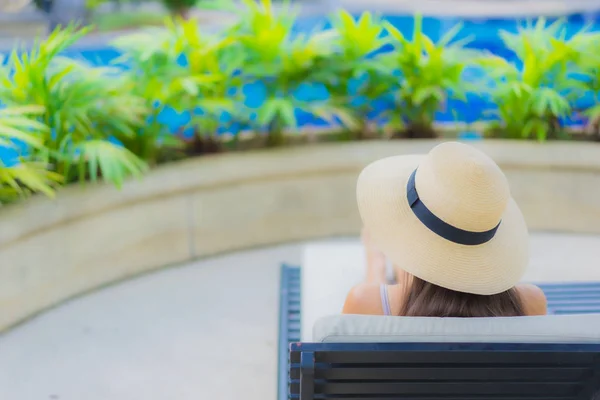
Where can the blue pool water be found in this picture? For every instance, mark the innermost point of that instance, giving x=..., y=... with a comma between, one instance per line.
x=483, y=32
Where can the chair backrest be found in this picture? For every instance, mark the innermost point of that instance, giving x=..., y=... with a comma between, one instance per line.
x=583, y=328
x=444, y=371
x=375, y=357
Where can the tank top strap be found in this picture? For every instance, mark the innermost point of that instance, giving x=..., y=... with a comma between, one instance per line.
x=390, y=274
x=385, y=300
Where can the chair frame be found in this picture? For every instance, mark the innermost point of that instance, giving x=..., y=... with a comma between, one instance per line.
x=442, y=371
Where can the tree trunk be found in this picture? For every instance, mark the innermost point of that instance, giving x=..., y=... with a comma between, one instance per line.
x=183, y=13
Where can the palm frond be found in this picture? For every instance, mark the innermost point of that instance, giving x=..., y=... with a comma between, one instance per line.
x=111, y=162
x=16, y=123
x=22, y=179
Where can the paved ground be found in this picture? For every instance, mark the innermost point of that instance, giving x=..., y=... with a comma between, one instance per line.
x=29, y=22
x=202, y=331
x=22, y=28
x=476, y=8
x=205, y=331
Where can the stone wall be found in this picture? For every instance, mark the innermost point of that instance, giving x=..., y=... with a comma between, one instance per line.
x=51, y=250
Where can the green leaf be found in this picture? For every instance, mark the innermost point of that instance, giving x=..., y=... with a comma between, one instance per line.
x=113, y=162
x=27, y=177
x=394, y=32
x=190, y=86
x=268, y=111
x=286, y=110
x=330, y=112
x=16, y=123
x=425, y=93
x=450, y=35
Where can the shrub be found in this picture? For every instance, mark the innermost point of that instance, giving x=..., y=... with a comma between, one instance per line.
x=353, y=75
x=592, y=113
x=429, y=74
x=212, y=86
x=27, y=175
x=84, y=107
x=282, y=63
x=589, y=64
x=532, y=101
x=184, y=71
x=153, y=74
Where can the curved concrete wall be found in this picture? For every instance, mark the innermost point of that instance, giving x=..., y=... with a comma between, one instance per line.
x=96, y=235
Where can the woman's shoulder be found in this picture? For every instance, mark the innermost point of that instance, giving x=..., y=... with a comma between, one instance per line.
x=366, y=299
x=533, y=299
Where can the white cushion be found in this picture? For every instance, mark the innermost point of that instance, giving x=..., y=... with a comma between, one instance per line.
x=583, y=328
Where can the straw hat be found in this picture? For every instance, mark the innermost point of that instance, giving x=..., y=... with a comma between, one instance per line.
x=447, y=218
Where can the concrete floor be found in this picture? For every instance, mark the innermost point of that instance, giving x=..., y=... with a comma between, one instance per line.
x=29, y=22
x=202, y=331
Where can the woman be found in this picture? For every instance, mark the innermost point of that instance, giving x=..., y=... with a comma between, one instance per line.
x=457, y=240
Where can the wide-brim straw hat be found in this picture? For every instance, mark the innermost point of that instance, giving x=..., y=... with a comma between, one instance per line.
x=446, y=217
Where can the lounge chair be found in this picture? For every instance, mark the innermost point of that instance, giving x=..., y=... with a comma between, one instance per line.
x=554, y=357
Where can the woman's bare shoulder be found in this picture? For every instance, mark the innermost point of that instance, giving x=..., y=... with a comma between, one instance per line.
x=533, y=299
x=364, y=299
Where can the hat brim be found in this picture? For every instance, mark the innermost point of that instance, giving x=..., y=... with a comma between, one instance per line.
x=486, y=269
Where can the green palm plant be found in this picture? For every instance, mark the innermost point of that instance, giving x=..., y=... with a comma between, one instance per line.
x=212, y=86
x=205, y=85
x=429, y=74
x=25, y=176
x=87, y=110
x=589, y=69
x=154, y=75
x=353, y=63
x=532, y=100
x=281, y=62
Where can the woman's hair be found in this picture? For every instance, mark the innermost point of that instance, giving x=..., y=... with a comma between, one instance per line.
x=424, y=299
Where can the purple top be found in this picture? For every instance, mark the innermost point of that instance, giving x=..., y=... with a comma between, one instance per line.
x=385, y=300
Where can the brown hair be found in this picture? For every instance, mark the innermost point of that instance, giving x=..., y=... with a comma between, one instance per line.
x=424, y=299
